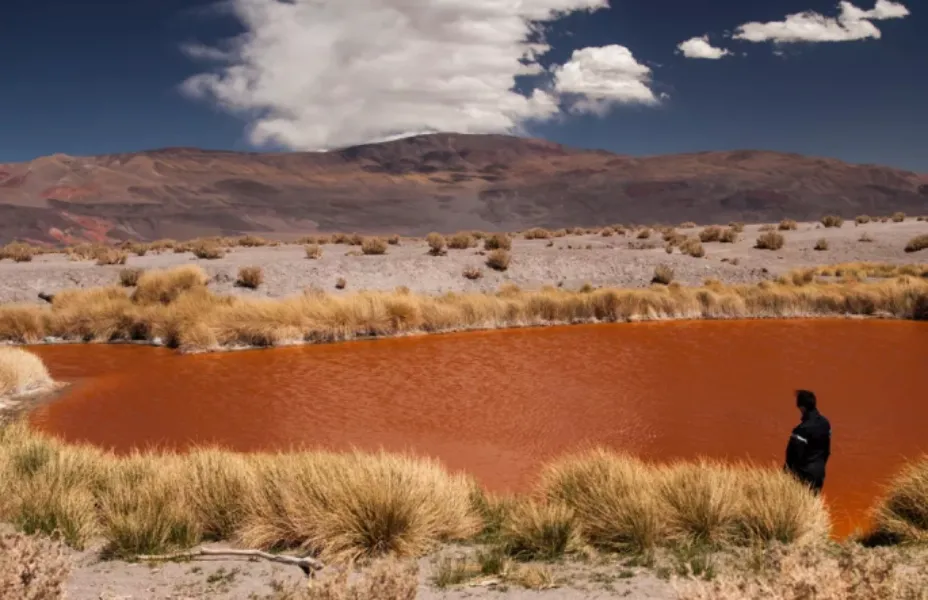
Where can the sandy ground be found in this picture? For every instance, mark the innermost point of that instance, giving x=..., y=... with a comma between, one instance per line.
x=571, y=262
x=227, y=579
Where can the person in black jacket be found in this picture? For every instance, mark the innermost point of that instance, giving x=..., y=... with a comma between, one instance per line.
x=810, y=443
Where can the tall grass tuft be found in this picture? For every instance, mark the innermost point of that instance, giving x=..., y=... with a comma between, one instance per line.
x=917, y=243
x=540, y=531
x=130, y=277
x=207, y=250
x=22, y=372
x=821, y=245
x=394, y=240
x=701, y=502
x=898, y=217
x=902, y=515
x=770, y=241
x=373, y=245
x=18, y=252
x=537, y=233
x=250, y=277
x=165, y=286
x=775, y=507
x=461, y=241
x=862, y=219
x=437, y=244
x=663, y=274
x=497, y=241
x=693, y=247
x=710, y=234
x=788, y=225
x=499, y=259
x=832, y=221
x=313, y=251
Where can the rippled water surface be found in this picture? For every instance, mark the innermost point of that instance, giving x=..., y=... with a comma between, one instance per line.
x=500, y=403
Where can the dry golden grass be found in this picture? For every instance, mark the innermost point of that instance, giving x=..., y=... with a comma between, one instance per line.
x=472, y=273
x=607, y=232
x=22, y=372
x=729, y=236
x=862, y=219
x=815, y=573
x=865, y=237
x=693, y=247
x=770, y=241
x=898, y=217
x=737, y=226
x=644, y=234
x=865, y=270
x=341, y=283
x=394, y=240
x=313, y=251
x=373, y=245
x=902, y=516
x=537, y=233
x=832, y=221
x=250, y=277
x=130, y=277
x=437, y=244
x=207, y=250
x=32, y=568
x=499, y=259
x=462, y=240
x=355, y=239
x=662, y=274
x=540, y=531
x=917, y=243
x=821, y=245
x=687, y=225
x=18, y=252
x=251, y=241
x=177, y=307
x=710, y=234
x=111, y=256
x=766, y=227
x=497, y=241
x=788, y=225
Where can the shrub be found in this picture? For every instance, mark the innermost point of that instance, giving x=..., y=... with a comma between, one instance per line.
x=313, y=251
x=340, y=238
x=394, y=240
x=130, y=277
x=737, y=226
x=208, y=250
x=693, y=247
x=22, y=372
x=473, y=273
x=865, y=238
x=436, y=243
x=668, y=248
x=355, y=239
x=700, y=501
x=862, y=219
x=32, y=568
x=540, y=531
x=461, y=241
x=788, y=225
x=111, y=256
x=770, y=241
x=498, y=259
x=559, y=233
x=497, y=241
x=821, y=244
x=251, y=241
x=920, y=219
x=373, y=245
x=766, y=227
x=607, y=232
x=644, y=234
x=917, y=243
x=662, y=274
x=18, y=252
x=250, y=277
x=832, y=221
x=537, y=233
x=902, y=516
x=165, y=286
x=341, y=283
x=728, y=236
x=710, y=234
x=898, y=217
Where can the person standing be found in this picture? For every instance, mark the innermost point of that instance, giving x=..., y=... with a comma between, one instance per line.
x=809, y=444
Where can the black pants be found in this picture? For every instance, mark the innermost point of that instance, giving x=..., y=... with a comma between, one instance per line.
x=815, y=482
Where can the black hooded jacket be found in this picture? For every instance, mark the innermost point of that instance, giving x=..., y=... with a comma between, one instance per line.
x=809, y=448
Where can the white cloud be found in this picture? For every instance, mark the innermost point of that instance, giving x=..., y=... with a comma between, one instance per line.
x=599, y=78
x=318, y=74
x=852, y=23
x=700, y=47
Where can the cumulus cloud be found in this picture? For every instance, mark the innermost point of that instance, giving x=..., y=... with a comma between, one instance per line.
x=595, y=79
x=700, y=47
x=852, y=23
x=319, y=74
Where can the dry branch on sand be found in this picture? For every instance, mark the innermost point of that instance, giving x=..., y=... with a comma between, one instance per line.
x=306, y=564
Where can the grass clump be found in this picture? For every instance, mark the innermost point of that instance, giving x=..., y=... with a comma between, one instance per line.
x=166, y=286
x=130, y=277
x=832, y=221
x=111, y=256
x=32, y=568
x=22, y=372
x=644, y=234
x=537, y=233
x=250, y=277
x=207, y=250
x=917, y=243
x=462, y=241
x=862, y=219
x=497, y=241
x=373, y=245
x=18, y=252
x=737, y=226
x=770, y=241
x=341, y=283
x=540, y=531
x=313, y=251
x=728, y=236
x=898, y=217
x=688, y=225
x=663, y=274
x=821, y=245
x=607, y=232
x=499, y=259
x=710, y=234
x=788, y=225
x=766, y=227
x=701, y=502
x=394, y=240
x=251, y=241
x=472, y=273
x=437, y=244
x=866, y=237
x=692, y=247
x=902, y=515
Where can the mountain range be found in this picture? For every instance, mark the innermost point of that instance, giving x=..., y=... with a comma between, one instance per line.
x=442, y=182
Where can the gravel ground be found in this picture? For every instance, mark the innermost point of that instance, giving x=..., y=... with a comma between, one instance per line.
x=571, y=262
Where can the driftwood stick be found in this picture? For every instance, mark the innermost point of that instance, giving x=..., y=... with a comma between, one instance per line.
x=306, y=563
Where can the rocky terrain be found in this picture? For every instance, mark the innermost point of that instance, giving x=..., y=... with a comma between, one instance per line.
x=442, y=182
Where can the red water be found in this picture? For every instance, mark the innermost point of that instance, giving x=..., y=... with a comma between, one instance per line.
x=498, y=404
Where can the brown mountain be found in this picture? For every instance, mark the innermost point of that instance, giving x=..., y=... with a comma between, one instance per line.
x=439, y=182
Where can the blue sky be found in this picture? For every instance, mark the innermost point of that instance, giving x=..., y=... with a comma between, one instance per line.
x=109, y=76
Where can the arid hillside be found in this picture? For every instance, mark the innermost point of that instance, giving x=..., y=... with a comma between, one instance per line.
x=436, y=182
